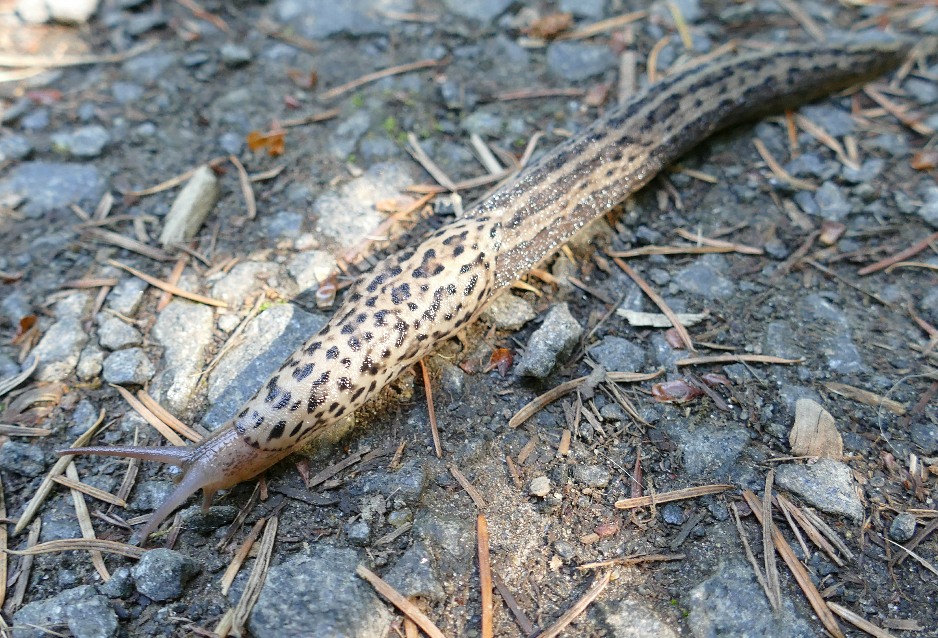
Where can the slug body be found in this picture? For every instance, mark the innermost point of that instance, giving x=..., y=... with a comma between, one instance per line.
x=414, y=299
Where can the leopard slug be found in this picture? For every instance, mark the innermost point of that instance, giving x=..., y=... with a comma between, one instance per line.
x=419, y=297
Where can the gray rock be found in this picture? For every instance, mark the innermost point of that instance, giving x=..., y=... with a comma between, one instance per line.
x=114, y=334
x=59, y=349
x=126, y=92
x=161, y=574
x=128, y=367
x=481, y=10
x=929, y=304
x=539, y=486
x=407, y=484
x=812, y=165
x=22, y=458
x=90, y=362
x=781, y=341
x=268, y=340
x=826, y=484
x=358, y=533
x=553, y=340
x=86, y=613
x=284, y=224
x=235, y=55
x=449, y=535
x=868, y=171
x=832, y=201
x=415, y=574
x=924, y=434
x=320, y=590
x=902, y=527
x=185, y=330
x=452, y=380
x=14, y=147
x=318, y=19
x=148, y=67
x=594, y=9
x=708, y=451
x=120, y=585
x=49, y=186
x=345, y=216
x=591, y=475
x=140, y=23
x=929, y=208
x=483, y=122
x=207, y=522
x=310, y=268
x=84, y=416
x=85, y=142
x=509, y=312
x=806, y=203
x=36, y=120
x=630, y=618
x=731, y=603
x=922, y=91
x=843, y=356
x=672, y=514
x=704, y=277
x=126, y=296
x=616, y=354
x=148, y=495
x=575, y=61
x=345, y=136
x=832, y=119
x=242, y=280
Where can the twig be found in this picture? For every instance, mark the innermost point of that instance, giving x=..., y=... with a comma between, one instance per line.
x=485, y=576
x=911, y=251
x=658, y=301
x=603, y=26
x=471, y=490
x=578, y=608
x=405, y=606
x=250, y=203
x=252, y=589
x=667, y=497
x=377, y=75
x=773, y=589
x=175, y=290
x=736, y=358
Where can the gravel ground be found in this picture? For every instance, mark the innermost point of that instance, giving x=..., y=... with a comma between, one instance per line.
x=79, y=146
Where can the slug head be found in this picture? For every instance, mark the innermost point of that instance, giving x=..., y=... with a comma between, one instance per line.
x=218, y=462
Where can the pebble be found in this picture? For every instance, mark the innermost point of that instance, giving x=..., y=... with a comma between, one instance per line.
x=813, y=166
x=576, y=61
x=509, y=312
x=50, y=186
x=480, y=10
x=310, y=268
x=148, y=495
x=346, y=215
x=268, y=340
x=868, y=171
x=832, y=119
x=358, y=533
x=555, y=339
x=902, y=527
x=924, y=434
x=86, y=613
x=708, y=451
x=149, y=67
x=14, y=147
x=120, y=585
x=22, y=458
x=244, y=279
x=85, y=142
x=672, y=514
x=346, y=135
x=415, y=574
x=185, y=330
x=126, y=296
x=630, y=618
x=539, y=486
x=832, y=202
x=731, y=603
x=826, y=484
x=59, y=349
x=591, y=475
x=90, y=362
x=929, y=208
x=36, y=120
x=704, y=277
x=115, y=334
x=128, y=367
x=283, y=224
x=781, y=340
x=318, y=590
x=83, y=417
x=161, y=574
x=193, y=518
x=483, y=122
x=594, y=9
x=235, y=55
x=616, y=354
x=319, y=19
x=922, y=91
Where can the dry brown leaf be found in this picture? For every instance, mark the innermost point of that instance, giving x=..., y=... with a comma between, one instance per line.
x=814, y=432
x=550, y=26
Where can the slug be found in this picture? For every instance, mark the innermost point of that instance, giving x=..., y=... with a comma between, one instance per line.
x=423, y=295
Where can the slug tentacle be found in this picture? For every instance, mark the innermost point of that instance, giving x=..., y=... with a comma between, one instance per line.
x=173, y=455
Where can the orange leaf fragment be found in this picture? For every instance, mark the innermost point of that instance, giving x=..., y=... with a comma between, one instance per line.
x=26, y=326
x=272, y=141
x=678, y=391
x=550, y=26
x=500, y=360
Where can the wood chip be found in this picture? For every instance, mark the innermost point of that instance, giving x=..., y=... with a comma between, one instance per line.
x=865, y=396
x=191, y=206
x=657, y=320
x=667, y=497
x=405, y=606
x=814, y=432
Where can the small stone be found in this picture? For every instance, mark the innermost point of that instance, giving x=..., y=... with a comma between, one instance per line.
x=115, y=334
x=704, y=277
x=284, y=224
x=929, y=208
x=924, y=434
x=148, y=68
x=22, y=458
x=509, y=312
x=86, y=142
x=344, y=137
x=481, y=10
x=672, y=514
x=120, y=585
x=126, y=92
x=540, y=486
x=483, y=122
x=14, y=147
x=553, y=340
x=161, y=574
x=616, y=354
x=575, y=61
x=833, y=203
x=190, y=208
x=47, y=186
x=628, y=618
x=902, y=527
x=827, y=484
x=84, y=416
x=416, y=574
x=358, y=533
x=126, y=296
x=242, y=280
x=185, y=331
x=148, y=495
x=59, y=349
x=90, y=362
x=311, y=268
x=207, y=522
x=835, y=120
x=85, y=613
x=235, y=55
x=922, y=91
x=591, y=475
x=128, y=367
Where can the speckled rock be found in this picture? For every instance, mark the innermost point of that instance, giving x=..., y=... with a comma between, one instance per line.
x=22, y=458
x=50, y=186
x=128, y=367
x=161, y=574
x=185, y=330
x=509, y=312
x=60, y=348
x=553, y=340
x=114, y=333
x=827, y=484
x=86, y=613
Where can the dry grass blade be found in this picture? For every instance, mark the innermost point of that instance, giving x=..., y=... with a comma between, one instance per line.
x=748, y=550
x=84, y=522
x=127, y=243
x=563, y=389
x=428, y=164
x=3, y=547
x=377, y=75
x=252, y=589
x=668, y=250
x=798, y=571
x=718, y=243
x=826, y=139
x=91, y=282
x=773, y=587
x=527, y=94
x=859, y=621
x=630, y=561
x=18, y=61
x=18, y=430
x=527, y=627
x=89, y=490
x=150, y=418
x=667, y=497
x=911, y=120
x=804, y=19
x=162, y=285
x=81, y=544
x=865, y=396
x=911, y=251
x=322, y=116
x=736, y=358
x=240, y=557
x=659, y=301
x=250, y=203
x=798, y=516
x=46, y=486
x=164, y=415
x=26, y=565
x=471, y=490
x=9, y=383
x=780, y=172
x=405, y=606
x=431, y=412
x=578, y=608
x=603, y=26
x=178, y=179
x=485, y=576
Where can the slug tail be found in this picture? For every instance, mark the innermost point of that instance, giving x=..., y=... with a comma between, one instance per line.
x=167, y=454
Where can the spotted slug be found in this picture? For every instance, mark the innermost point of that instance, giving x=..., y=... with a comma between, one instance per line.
x=417, y=298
